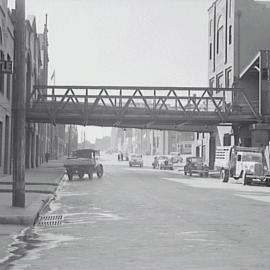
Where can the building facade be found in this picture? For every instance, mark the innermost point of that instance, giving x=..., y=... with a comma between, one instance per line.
x=38, y=139
x=237, y=32
x=6, y=84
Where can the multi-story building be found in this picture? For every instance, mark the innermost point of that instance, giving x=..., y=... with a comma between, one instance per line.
x=6, y=53
x=165, y=142
x=238, y=30
x=38, y=138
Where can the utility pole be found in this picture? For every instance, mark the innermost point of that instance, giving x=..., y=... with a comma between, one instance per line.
x=18, y=190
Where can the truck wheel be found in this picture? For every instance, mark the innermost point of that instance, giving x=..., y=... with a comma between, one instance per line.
x=224, y=175
x=185, y=173
x=190, y=173
x=99, y=171
x=90, y=174
x=70, y=176
x=246, y=180
x=267, y=182
x=81, y=174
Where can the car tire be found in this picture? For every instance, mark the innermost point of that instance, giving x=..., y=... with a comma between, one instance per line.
x=90, y=174
x=99, y=171
x=246, y=180
x=70, y=176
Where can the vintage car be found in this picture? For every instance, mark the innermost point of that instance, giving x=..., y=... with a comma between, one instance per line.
x=195, y=165
x=163, y=162
x=83, y=161
x=136, y=160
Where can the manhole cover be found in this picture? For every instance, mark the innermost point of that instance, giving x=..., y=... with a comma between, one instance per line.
x=50, y=220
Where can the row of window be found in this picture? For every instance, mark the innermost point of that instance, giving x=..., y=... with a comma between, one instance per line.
x=220, y=80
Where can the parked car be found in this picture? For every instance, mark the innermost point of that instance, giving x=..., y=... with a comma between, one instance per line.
x=136, y=160
x=195, y=165
x=163, y=162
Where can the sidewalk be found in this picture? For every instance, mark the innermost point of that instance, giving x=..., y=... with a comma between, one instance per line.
x=41, y=184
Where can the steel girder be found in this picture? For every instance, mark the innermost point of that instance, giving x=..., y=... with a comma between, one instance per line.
x=164, y=108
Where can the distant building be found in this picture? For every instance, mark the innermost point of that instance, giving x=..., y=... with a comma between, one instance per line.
x=103, y=144
x=71, y=139
x=165, y=142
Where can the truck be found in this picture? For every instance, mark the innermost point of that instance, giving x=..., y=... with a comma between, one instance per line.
x=247, y=163
x=83, y=161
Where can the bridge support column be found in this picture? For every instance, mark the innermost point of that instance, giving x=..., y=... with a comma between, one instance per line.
x=242, y=135
x=259, y=134
x=236, y=134
x=212, y=150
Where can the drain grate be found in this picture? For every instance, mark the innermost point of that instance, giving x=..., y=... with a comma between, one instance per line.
x=50, y=220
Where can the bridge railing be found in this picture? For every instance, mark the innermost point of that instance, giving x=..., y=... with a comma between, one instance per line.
x=223, y=102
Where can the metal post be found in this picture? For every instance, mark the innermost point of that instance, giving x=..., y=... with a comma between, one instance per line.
x=69, y=140
x=18, y=190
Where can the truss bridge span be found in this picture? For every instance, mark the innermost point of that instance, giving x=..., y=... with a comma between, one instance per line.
x=163, y=108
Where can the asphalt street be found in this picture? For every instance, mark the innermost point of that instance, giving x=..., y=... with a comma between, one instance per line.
x=140, y=218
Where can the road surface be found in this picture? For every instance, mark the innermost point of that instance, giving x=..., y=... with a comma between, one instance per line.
x=140, y=218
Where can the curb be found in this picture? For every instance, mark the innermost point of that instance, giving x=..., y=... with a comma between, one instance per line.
x=43, y=208
x=30, y=220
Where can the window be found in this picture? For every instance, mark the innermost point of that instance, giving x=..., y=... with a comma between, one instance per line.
x=2, y=76
x=230, y=34
x=210, y=51
x=220, y=35
x=211, y=82
x=1, y=139
x=210, y=28
x=228, y=82
x=197, y=151
x=8, y=81
x=219, y=82
x=1, y=38
x=203, y=153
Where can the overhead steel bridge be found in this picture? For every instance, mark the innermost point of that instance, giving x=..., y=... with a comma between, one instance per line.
x=164, y=108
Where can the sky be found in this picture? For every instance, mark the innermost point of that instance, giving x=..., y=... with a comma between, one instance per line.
x=125, y=42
